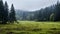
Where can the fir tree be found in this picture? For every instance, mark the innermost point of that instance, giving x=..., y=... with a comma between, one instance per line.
x=6, y=11
x=2, y=13
x=12, y=14
x=57, y=12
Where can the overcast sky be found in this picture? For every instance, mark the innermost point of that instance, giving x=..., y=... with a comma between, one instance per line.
x=30, y=4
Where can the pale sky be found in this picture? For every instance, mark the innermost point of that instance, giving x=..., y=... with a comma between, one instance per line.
x=30, y=4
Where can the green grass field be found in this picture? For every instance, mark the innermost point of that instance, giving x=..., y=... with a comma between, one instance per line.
x=31, y=27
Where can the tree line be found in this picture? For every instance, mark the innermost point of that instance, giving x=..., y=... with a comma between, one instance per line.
x=51, y=13
x=6, y=15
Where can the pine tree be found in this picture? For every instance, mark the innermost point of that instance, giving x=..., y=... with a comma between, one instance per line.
x=6, y=11
x=57, y=12
x=2, y=12
x=12, y=14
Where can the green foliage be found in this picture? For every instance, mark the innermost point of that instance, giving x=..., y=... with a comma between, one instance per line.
x=52, y=17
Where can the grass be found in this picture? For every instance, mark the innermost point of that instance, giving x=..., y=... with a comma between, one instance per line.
x=31, y=27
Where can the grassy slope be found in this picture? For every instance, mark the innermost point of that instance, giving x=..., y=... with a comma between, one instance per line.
x=31, y=27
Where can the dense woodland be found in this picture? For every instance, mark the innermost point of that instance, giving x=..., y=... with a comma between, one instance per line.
x=6, y=15
x=51, y=13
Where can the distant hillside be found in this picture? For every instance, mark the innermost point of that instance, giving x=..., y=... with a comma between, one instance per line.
x=24, y=15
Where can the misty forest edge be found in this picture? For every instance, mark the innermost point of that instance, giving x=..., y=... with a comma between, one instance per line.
x=51, y=13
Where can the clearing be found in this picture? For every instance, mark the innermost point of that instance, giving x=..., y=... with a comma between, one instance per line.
x=31, y=27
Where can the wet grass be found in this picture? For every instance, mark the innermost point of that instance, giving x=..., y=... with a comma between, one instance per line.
x=31, y=27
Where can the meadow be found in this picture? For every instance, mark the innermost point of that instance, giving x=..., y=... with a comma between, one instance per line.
x=30, y=27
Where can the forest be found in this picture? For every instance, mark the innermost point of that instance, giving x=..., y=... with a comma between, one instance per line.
x=16, y=21
x=50, y=13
